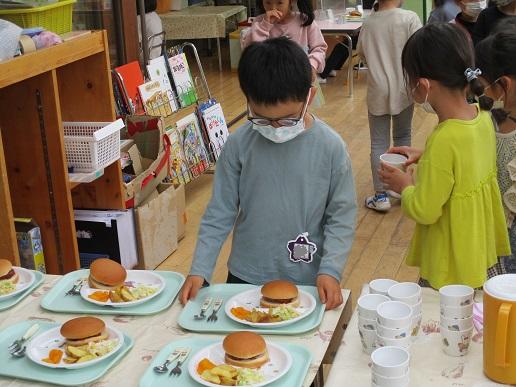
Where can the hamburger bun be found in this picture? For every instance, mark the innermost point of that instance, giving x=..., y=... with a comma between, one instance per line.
x=7, y=272
x=279, y=292
x=245, y=349
x=82, y=330
x=106, y=274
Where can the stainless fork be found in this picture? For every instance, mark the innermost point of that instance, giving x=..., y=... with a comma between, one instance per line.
x=18, y=344
x=176, y=371
x=76, y=288
x=216, y=306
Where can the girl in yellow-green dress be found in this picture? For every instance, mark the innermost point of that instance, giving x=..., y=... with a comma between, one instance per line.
x=454, y=198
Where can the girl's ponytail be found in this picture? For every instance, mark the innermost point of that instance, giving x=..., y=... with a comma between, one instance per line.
x=307, y=11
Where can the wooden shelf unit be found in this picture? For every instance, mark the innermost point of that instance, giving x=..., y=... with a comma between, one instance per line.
x=74, y=82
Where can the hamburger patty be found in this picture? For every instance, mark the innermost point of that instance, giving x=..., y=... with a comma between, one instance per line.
x=241, y=359
x=278, y=301
x=10, y=274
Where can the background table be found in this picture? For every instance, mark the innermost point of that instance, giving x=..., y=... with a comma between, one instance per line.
x=345, y=30
x=151, y=333
x=430, y=366
x=201, y=22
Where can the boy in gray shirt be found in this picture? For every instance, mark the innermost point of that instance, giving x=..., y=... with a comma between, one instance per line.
x=283, y=184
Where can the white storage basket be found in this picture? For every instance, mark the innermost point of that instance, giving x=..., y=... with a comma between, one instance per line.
x=90, y=146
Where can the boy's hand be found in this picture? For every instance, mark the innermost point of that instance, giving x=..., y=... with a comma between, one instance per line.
x=394, y=179
x=412, y=154
x=329, y=291
x=190, y=288
x=273, y=16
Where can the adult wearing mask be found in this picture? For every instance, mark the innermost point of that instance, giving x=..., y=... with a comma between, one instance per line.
x=444, y=11
x=470, y=9
x=489, y=18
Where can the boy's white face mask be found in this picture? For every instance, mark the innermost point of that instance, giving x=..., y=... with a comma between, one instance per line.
x=283, y=134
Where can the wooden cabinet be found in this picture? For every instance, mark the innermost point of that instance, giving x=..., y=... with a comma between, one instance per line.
x=38, y=91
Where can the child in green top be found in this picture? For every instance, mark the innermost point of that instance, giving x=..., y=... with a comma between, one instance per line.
x=455, y=199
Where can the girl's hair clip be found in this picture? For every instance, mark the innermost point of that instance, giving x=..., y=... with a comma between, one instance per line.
x=472, y=74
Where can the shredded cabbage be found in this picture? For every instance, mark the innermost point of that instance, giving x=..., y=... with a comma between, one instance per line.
x=246, y=376
x=6, y=287
x=285, y=312
x=143, y=291
x=103, y=347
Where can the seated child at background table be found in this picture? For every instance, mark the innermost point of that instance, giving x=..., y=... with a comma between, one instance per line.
x=495, y=56
x=283, y=184
x=455, y=200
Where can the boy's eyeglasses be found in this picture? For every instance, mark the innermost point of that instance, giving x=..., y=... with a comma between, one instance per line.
x=288, y=122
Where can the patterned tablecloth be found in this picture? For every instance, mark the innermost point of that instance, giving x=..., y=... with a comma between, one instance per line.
x=201, y=22
x=430, y=366
x=151, y=333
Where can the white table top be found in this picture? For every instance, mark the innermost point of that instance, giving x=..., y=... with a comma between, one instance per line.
x=430, y=366
x=151, y=333
x=327, y=26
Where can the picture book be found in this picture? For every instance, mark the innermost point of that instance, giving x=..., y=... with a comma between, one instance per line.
x=183, y=80
x=195, y=153
x=129, y=77
x=216, y=127
x=179, y=172
x=155, y=100
x=157, y=70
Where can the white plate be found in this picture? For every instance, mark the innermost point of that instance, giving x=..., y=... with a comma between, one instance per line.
x=138, y=277
x=40, y=346
x=26, y=278
x=278, y=365
x=251, y=299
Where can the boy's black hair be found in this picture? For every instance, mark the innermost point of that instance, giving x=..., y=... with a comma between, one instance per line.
x=441, y=52
x=495, y=57
x=275, y=70
x=150, y=6
x=504, y=25
x=304, y=6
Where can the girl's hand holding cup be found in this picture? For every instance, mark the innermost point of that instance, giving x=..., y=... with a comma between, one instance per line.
x=413, y=154
x=395, y=179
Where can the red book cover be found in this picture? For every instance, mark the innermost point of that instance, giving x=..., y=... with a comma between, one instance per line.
x=130, y=77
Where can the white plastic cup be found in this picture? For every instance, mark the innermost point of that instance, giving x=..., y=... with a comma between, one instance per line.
x=456, y=295
x=365, y=323
x=416, y=324
x=394, y=314
x=418, y=308
x=394, y=160
x=407, y=292
x=457, y=311
x=404, y=342
x=368, y=303
x=368, y=339
x=381, y=285
x=457, y=324
x=456, y=343
x=391, y=333
x=390, y=361
x=385, y=381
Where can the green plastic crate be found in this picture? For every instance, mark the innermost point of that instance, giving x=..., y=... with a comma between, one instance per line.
x=55, y=17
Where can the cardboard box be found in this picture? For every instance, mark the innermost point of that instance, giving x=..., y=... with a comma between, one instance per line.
x=156, y=227
x=30, y=246
x=148, y=135
x=108, y=234
x=181, y=212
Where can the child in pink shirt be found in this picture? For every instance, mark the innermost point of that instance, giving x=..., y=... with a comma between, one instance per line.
x=278, y=19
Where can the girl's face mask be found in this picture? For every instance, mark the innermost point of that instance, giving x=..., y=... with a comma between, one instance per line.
x=424, y=105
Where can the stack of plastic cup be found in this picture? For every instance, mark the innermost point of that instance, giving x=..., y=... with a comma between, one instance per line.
x=456, y=318
x=394, y=325
x=367, y=317
x=390, y=367
x=409, y=293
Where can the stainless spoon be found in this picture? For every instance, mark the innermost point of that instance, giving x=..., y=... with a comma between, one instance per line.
x=163, y=368
x=20, y=352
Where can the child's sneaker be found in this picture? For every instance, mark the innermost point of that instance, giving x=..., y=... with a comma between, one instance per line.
x=378, y=202
x=321, y=80
x=333, y=73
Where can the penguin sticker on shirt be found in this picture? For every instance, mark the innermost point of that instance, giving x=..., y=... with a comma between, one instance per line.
x=301, y=249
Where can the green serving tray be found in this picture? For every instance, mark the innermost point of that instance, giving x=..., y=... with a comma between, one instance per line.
x=56, y=301
x=26, y=369
x=12, y=301
x=301, y=359
x=227, y=325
